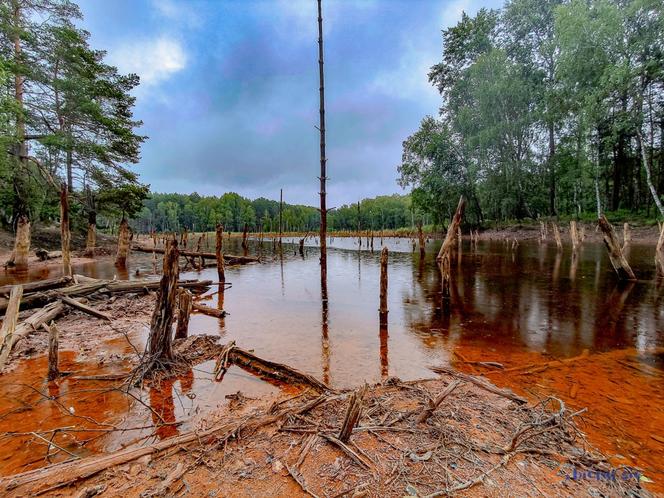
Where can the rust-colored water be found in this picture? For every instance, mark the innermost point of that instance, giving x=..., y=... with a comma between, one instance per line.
x=518, y=307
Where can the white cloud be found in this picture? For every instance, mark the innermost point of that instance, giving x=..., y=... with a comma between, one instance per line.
x=154, y=60
x=183, y=13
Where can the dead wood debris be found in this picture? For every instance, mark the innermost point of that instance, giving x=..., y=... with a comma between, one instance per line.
x=474, y=437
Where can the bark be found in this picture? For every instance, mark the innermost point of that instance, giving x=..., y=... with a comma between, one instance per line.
x=383, y=287
x=219, y=255
x=620, y=264
x=161, y=333
x=659, y=252
x=53, y=334
x=123, y=243
x=22, y=243
x=323, y=159
x=9, y=321
x=353, y=413
x=65, y=234
x=646, y=167
x=184, y=312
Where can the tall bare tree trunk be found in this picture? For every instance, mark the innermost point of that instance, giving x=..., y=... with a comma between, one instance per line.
x=65, y=234
x=646, y=167
x=383, y=310
x=123, y=243
x=323, y=159
x=161, y=326
x=659, y=253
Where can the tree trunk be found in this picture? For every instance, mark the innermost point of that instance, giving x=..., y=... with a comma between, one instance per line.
x=22, y=243
x=452, y=231
x=161, y=325
x=620, y=264
x=184, y=311
x=659, y=252
x=323, y=159
x=383, y=287
x=91, y=239
x=53, y=335
x=221, y=271
x=556, y=235
x=646, y=167
x=123, y=243
x=420, y=236
x=65, y=234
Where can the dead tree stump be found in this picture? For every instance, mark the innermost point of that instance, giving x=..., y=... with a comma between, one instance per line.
x=123, y=243
x=184, y=312
x=245, y=246
x=556, y=235
x=160, y=339
x=53, y=337
x=22, y=243
x=221, y=271
x=620, y=264
x=443, y=257
x=574, y=235
x=627, y=236
x=420, y=236
x=353, y=413
x=383, y=287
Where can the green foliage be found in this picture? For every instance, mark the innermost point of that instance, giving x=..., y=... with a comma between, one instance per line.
x=548, y=108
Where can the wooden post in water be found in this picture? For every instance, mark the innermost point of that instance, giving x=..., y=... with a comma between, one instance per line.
x=65, y=234
x=123, y=243
x=184, y=311
x=574, y=235
x=53, y=336
x=452, y=231
x=383, y=287
x=556, y=235
x=659, y=253
x=620, y=264
x=323, y=160
x=627, y=236
x=420, y=236
x=359, y=224
x=221, y=271
x=160, y=339
x=281, y=208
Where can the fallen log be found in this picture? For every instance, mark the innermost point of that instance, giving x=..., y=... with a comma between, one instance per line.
x=30, y=324
x=85, y=308
x=618, y=261
x=487, y=386
x=229, y=258
x=232, y=354
x=206, y=310
x=39, y=285
x=9, y=322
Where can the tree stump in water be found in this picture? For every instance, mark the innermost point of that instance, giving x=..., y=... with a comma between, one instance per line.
x=123, y=243
x=184, y=312
x=22, y=243
x=53, y=336
x=574, y=236
x=160, y=339
x=627, y=236
x=620, y=264
x=383, y=287
x=420, y=236
x=221, y=271
x=443, y=257
x=556, y=235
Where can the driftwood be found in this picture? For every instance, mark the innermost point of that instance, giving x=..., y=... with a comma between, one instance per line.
x=487, y=386
x=228, y=258
x=9, y=323
x=32, y=323
x=435, y=403
x=206, y=310
x=39, y=285
x=232, y=354
x=620, y=264
x=85, y=308
x=353, y=413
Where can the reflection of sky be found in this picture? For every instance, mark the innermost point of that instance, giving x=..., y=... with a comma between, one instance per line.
x=230, y=89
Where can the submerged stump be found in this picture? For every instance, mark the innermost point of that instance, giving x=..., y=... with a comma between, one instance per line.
x=618, y=261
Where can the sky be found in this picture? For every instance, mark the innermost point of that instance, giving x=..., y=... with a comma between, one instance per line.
x=229, y=89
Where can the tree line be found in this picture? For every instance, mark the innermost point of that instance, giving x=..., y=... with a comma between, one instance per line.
x=66, y=119
x=176, y=212
x=548, y=107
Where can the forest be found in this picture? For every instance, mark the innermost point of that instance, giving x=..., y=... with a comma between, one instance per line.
x=548, y=108
x=174, y=212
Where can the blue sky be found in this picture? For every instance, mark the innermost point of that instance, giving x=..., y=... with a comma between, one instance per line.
x=229, y=92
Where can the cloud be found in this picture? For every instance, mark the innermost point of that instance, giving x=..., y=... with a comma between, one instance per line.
x=178, y=12
x=154, y=60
